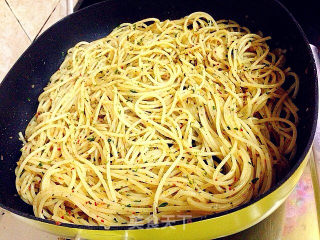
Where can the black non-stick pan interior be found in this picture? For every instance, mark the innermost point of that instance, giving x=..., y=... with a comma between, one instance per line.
x=25, y=81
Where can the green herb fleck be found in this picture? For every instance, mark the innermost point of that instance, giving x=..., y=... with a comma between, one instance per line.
x=228, y=128
x=116, y=71
x=109, y=140
x=137, y=200
x=90, y=139
x=40, y=164
x=236, y=128
x=128, y=205
x=133, y=91
x=115, y=220
x=140, y=41
x=163, y=204
x=214, y=107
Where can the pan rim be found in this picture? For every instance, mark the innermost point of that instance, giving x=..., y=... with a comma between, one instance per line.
x=210, y=216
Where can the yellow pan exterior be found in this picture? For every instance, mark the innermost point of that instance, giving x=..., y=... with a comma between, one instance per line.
x=205, y=229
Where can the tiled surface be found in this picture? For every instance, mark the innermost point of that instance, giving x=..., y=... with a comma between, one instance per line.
x=23, y=20
x=32, y=14
x=13, y=40
x=8, y=230
x=59, y=12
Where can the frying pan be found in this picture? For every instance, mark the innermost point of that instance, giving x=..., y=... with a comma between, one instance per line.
x=25, y=81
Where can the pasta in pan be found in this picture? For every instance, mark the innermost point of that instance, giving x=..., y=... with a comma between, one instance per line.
x=159, y=118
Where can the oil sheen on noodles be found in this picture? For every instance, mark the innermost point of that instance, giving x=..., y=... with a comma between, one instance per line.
x=174, y=118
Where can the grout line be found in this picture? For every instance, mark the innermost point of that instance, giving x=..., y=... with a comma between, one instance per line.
x=37, y=35
x=18, y=20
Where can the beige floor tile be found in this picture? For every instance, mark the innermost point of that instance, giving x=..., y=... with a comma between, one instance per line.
x=32, y=14
x=59, y=13
x=13, y=40
x=8, y=229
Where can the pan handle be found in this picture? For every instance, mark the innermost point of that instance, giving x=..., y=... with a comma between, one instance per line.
x=315, y=156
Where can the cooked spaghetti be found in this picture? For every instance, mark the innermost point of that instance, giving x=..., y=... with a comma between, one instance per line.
x=160, y=118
